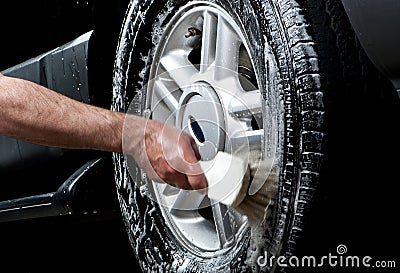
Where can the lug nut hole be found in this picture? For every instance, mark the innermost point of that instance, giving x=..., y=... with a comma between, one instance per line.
x=196, y=129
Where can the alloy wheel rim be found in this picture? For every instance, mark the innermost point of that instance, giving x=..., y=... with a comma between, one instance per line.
x=204, y=82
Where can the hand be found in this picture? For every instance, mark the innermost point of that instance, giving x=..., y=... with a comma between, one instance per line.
x=165, y=153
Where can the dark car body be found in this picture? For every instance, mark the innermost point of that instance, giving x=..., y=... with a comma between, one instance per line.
x=377, y=27
x=65, y=46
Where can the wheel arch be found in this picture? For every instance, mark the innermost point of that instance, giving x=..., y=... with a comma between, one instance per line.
x=376, y=26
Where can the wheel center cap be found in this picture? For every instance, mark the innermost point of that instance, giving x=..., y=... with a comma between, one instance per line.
x=201, y=115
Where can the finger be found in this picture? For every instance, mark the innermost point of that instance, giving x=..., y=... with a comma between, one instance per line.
x=197, y=182
x=187, y=161
x=179, y=180
x=195, y=149
x=176, y=180
x=190, y=152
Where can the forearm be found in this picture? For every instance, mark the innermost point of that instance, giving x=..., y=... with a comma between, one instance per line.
x=36, y=114
x=39, y=115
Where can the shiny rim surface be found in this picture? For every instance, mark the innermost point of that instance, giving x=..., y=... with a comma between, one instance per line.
x=203, y=81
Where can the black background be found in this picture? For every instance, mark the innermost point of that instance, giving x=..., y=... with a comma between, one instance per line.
x=358, y=199
x=69, y=243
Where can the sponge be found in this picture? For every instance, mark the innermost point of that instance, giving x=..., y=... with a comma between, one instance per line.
x=228, y=178
x=247, y=187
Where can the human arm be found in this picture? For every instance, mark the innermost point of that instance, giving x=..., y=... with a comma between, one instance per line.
x=39, y=115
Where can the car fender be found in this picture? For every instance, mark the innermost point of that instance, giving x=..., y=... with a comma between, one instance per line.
x=376, y=24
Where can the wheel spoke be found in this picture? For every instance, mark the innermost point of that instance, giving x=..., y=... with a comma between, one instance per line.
x=170, y=99
x=227, y=50
x=222, y=224
x=250, y=139
x=187, y=201
x=209, y=39
x=247, y=105
x=170, y=190
x=178, y=67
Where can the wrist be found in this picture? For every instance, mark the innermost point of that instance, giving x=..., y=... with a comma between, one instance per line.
x=106, y=133
x=116, y=127
x=133, y=134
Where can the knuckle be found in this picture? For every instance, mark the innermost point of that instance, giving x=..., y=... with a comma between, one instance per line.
x=195, y=183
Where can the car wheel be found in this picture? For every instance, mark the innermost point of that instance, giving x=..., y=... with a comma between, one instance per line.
x=261, y=52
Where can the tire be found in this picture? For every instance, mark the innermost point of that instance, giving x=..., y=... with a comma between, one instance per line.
x=285, y=40
x=361, y=107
